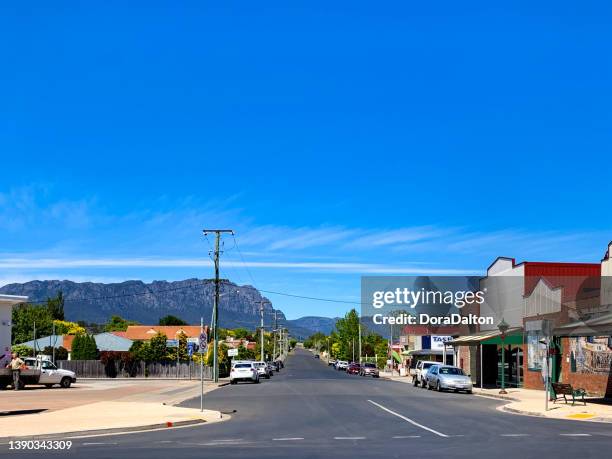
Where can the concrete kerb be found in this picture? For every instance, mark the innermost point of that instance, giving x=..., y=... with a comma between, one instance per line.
x=103, y=432
x=129, y=429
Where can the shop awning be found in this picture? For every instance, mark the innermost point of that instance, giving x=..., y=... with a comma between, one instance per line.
x=489, y=337
x=420, y=352
x=598, y=326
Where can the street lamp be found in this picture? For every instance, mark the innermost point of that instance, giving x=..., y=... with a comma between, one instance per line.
x=503, y=328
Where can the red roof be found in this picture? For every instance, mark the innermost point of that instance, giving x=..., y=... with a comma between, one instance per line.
x=146, y=332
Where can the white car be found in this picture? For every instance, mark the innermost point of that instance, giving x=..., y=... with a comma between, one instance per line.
x=420, y=372
x=447, y=377
x=50, y=374
x=244, y=371
x=342, y=365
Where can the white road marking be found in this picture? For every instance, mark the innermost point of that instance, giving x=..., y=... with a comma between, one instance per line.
x=288, y=439
x=514, y=435
x=98, y=443
x=349, y=438
x=414, y=423
x=227, y=439
x=407, y=436
x=576, y=435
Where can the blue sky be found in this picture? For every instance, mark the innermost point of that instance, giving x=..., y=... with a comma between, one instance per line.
x=336, y=140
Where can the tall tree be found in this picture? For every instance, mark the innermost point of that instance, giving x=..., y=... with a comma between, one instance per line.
x=84, y=348
x=25, y=317
x=56, y=306
x=348, y=335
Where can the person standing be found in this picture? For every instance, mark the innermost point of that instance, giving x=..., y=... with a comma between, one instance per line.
x=15, y=366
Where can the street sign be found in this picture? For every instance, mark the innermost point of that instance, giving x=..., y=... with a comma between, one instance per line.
x=172, y=343
x=190, y=347
x=232, y=352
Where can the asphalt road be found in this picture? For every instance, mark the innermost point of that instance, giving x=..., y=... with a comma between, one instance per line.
x=309, y=410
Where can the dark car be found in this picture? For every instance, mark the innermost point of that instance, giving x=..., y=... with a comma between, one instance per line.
x=353, y=368
x=317, y=356
x=369, y=369
x=274, y=364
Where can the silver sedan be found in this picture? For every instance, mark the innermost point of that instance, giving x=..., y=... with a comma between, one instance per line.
x=446, y=377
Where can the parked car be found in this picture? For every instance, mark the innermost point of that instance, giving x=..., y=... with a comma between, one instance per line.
x=353, y=369
x=369, y=369
x=331, y=362
x=263, y=369
x=446, y=377
x=244, y=371
x=422, y=366
x=341, y=365
x=274, y=365
x=316, y=356
x=50, y=374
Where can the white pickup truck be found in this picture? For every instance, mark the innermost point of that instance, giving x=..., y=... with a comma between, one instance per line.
x=39, y=371
x=50, y=374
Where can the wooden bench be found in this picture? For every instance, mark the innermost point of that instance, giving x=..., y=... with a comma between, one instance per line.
x=567, y=389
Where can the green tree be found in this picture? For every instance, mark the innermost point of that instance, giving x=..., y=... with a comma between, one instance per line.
x=117, y=323
x=348, y=335
x=56, y=306
x=242, y=333
x=68, y=328
x=84, y=348
x=25, y=317
x=23, y=351
x=61, y=353
x=171, y=320
x=182, y=349
x=317, y=341
x=245, y=354
x=158, y=351
x=141, y=350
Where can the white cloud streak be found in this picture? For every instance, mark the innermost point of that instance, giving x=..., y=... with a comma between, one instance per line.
x=58, y=263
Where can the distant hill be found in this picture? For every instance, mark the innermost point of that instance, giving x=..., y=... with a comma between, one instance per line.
x=188, y=299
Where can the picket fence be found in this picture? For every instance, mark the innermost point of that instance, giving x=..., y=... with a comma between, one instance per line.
x=166, y=370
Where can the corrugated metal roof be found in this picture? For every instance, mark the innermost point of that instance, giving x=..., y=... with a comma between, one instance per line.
x=112, y=342
x=104, y=342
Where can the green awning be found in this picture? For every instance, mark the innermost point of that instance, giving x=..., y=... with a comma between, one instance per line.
x=516, y=339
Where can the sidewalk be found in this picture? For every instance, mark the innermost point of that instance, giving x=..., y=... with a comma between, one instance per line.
x=532, y=402
x=102, y=407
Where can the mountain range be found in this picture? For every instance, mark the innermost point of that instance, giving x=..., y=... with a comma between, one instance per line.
x=146, y=303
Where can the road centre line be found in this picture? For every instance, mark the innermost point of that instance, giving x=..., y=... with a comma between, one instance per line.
x=288, y=439
x=407, y=436
x=514, y=435
x=576, y=435
x=349, y=438
x=414, y=423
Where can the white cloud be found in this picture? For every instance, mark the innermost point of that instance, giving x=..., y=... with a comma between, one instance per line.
x=59, y=263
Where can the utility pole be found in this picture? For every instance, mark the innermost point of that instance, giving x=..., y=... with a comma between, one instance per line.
x=216, y=301
x=261, y=325
x=359, y=340
x=274, y=337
